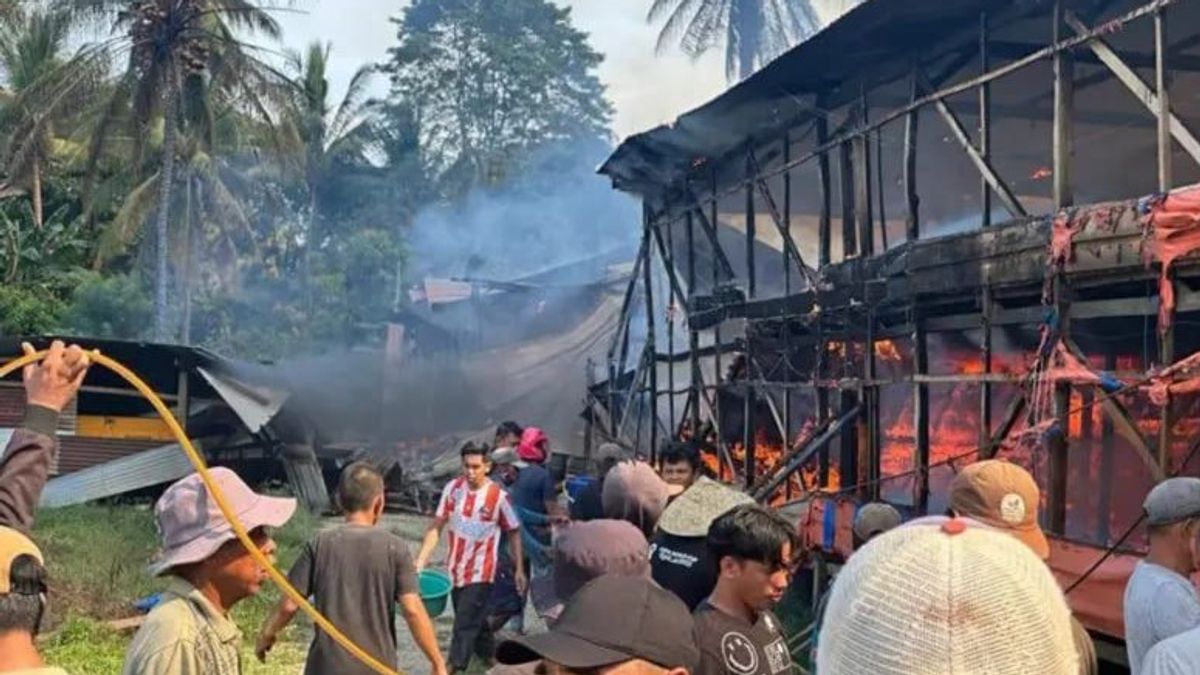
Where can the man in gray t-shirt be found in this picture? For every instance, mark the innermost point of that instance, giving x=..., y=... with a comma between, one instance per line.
x=1160, y=600
x=356, y=574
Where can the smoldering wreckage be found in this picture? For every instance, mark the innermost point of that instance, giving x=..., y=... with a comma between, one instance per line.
x=932, y=233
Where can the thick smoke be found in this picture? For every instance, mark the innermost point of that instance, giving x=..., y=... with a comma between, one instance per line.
x=557, y=212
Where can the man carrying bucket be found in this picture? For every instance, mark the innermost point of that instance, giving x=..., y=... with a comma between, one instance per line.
x=356, y=573
x=478, y=511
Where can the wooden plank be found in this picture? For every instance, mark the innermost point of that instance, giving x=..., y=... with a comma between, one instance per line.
x=985, y=347
x=983, y=165
x=751, y=234
x=693, y=334
x=708, y=227
x=799, y=458
x=1064, y=112
x=1134, y=82
x=1166, y=357
x=1015, y=407
x=777, y=219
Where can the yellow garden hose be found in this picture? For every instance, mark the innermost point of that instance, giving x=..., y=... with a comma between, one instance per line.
x=197, y=461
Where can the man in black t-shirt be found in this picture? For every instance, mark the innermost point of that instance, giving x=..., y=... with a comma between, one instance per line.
x=735, y=629
x=357, y=573
x=679, y=554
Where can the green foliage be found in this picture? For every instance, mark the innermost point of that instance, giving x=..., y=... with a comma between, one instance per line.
x=494, y=81
x=116, y=306
x=26, y=311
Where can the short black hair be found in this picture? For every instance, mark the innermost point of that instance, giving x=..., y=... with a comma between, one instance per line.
x=21, y=609
x=676, y=452
x=472, y=448
x=359, y=485
x=751, y=532
x=508, y=428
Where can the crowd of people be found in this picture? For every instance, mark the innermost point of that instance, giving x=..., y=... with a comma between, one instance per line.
x=646, y=570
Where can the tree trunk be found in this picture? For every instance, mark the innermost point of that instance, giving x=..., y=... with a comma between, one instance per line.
x=38, y=219
x=185, y=334
x=166, y=178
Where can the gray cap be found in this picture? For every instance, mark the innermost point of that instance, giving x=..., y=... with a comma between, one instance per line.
x=1173, y=500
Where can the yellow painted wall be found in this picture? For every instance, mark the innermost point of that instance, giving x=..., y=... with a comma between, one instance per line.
x=98, y=426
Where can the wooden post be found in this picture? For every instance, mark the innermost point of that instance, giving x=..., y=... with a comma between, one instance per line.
x=184, y=400
x=748, y=401
x=718, y=346
x=822, y=401
x=849, y=236
x=824, y=220
x=985, y=124
x=1064, y=110
x=883, y=223
x=1166, y=357
x=693, y=334
x=672, y=303
x=751, y=235
x=1164, y=105
x=849, y=458
x=921, y=413
x=787, y=291
x=912, y=226
x=651, y=349
x=862, y=183
x=1056, y=499
x=985, y=388
x=870, y=402
x=1107, y=451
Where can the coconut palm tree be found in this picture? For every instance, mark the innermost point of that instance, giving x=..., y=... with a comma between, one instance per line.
x=43, y=86
x=182, y=55
x=316, y=133
x=754, y=31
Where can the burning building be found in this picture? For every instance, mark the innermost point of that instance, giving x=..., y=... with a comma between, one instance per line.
x=934, y=232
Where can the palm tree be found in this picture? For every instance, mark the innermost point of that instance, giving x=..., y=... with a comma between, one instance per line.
x=754, y=31
x=182, y=54
x=42, y=88
x=317, y=134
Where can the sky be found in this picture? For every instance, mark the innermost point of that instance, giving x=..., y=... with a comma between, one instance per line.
x=645, y=89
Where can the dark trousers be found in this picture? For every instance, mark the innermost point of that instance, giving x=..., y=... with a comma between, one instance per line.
x=470, y=634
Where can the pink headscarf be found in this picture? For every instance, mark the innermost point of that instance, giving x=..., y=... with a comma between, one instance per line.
x=533, y=445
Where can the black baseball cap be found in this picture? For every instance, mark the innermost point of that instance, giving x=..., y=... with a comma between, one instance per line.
x=614, y=618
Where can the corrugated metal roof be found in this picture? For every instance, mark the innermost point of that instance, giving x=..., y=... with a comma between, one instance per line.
x=76, y=453
x=878, y=35
x=123, y=474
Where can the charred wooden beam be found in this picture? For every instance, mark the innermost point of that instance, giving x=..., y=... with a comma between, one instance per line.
x=693, y=334
x=846, y=168
x=983, y=165
x=1107, y=452
x=1011, y=415
x=862, y=184
x=985, y=119
x=985, y=388
x=912, y=226
x=709, y=228
x=777, y=218
x=825, y=218
x=1166, y=356
x=1056, y=495
x=921, y=415
x=787, y=290
x=1064, y=116
x=1134, y=82
x=799, y=458
x=651, y=347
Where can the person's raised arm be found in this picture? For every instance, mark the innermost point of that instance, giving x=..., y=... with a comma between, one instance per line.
x=284, y=612
x=49, y=387
x=422, y=631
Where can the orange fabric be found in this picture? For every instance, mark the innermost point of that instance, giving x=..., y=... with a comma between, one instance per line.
x=1173, y=229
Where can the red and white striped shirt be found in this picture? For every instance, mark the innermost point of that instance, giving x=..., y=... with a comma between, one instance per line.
x=475, y=519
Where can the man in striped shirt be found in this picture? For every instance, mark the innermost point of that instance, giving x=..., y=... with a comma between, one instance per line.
x=478, y=511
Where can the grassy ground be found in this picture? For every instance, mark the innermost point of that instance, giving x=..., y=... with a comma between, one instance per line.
x=96, y=558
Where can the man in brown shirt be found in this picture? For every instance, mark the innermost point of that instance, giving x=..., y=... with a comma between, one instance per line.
x=735, y=629
x=49, y=387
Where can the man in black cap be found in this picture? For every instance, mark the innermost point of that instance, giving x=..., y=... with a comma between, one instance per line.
x=616, y=625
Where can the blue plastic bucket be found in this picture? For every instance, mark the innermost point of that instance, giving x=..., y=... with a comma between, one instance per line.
x=435, y=589
x=576, y=484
